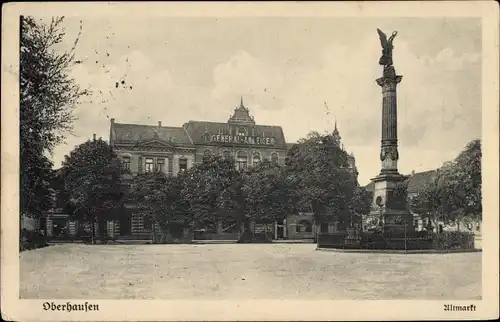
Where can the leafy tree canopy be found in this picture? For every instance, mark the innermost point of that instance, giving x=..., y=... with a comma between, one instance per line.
x=210, y=188
x=454, y=191
x=92, y=178
x=319, y=170
x=267, y=191
x=47, y=98
x=159, y=197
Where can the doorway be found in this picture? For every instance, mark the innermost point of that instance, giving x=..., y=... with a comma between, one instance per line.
x=126, y=223
x=280, y=232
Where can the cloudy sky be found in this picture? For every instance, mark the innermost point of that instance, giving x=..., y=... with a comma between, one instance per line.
x=179, y=69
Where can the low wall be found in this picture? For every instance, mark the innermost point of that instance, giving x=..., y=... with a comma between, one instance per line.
x=419, y=240
x=212, y=236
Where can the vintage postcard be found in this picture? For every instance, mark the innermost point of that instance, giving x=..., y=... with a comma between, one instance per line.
x=250, y=161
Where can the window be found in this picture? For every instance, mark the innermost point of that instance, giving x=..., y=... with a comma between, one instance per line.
x=241, y=161
x=160, y=165
x=183, y=164
x=324, y=227
x=126, y=163
x=256, y=158
x=304, y=226
x=226, y=154
x=274, y=158
x=149, y=165
x=242, y=131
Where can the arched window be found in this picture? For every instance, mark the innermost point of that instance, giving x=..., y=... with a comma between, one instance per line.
x=256, y=158
x=242, y=131
x=274, y=158
x=304, y=226
x=241, y=160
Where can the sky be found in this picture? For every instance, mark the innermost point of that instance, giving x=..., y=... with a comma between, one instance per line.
x=178, y=69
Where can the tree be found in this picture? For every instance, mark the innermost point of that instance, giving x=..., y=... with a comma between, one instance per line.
x=437, y=198
x=267, y=193
x=467, y=173
x=319, y=170
x=47, y=97
x=211, y=190
x=92, y=177
x=454, y=192
x=158, y=197
x=360, y=204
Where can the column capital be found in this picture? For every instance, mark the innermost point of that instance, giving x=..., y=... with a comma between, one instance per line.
x=387, y=81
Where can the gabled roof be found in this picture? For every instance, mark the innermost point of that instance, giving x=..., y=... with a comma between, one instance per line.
x=134, y=133
x=241, y=115
x=415, y=182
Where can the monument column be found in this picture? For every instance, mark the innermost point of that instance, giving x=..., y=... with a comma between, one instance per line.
x=388, y=206
x=389, y=144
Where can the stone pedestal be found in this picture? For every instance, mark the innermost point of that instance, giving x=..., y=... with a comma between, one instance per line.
x=388, y=206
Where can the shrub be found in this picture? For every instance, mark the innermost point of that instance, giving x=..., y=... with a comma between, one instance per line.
x=453, y=240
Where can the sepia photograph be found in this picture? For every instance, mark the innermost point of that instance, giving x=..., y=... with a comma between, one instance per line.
x=207, y=154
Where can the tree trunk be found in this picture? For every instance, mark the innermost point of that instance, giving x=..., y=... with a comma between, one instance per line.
x=435, y=217
x=92, y=229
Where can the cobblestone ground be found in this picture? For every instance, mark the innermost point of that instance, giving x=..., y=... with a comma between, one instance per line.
x=292, y=271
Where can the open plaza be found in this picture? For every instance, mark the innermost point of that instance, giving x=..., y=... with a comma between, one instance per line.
x=243, y=271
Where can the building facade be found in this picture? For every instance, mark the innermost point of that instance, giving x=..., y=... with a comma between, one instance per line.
x=171, y=150
x=148, y=148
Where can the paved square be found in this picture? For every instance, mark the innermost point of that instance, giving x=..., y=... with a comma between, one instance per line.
x=292, y=271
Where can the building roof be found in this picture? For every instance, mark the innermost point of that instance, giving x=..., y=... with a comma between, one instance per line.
x=131, y=133
x=419, y=179
x=415, y=181
x=289, y=146
x=198, y=131
x=202, y=132
x=241, y=115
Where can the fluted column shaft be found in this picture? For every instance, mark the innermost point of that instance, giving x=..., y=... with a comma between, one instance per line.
x=389, y=144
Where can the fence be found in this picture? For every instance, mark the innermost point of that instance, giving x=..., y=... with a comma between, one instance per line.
x=418, y=240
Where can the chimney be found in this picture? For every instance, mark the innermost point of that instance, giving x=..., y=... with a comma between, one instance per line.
x=412, y=172
x=94, y=136
x=159, y=123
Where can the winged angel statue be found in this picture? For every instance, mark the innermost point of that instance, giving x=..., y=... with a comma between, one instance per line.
x=386, y=59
